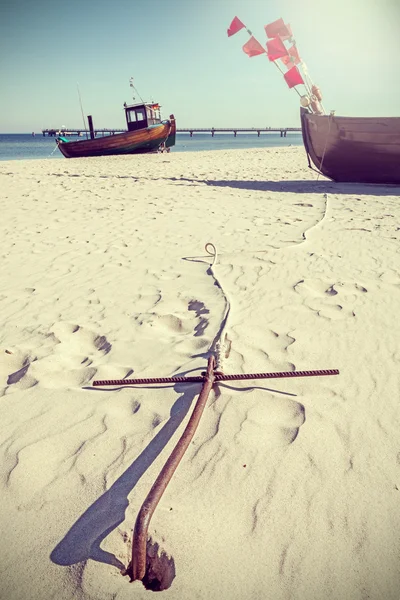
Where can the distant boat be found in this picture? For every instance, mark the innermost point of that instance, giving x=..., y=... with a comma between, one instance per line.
x=146, y=133
x=353, y=149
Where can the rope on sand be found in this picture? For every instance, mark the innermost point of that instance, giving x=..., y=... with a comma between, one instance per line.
x=220, y=345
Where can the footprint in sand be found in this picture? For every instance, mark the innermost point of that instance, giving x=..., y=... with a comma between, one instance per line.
x=71, y=362
x=270, y=422
x=69, y=357
x=269, y=351
x=167, y=323
x=14, y=365
x=192, y=321
x=330, y=300
x=200, y=309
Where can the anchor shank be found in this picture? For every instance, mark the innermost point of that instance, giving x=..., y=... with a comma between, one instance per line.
x=149, y=505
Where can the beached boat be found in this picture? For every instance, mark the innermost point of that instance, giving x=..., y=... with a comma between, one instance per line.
x=146, y=132
x=353, y=149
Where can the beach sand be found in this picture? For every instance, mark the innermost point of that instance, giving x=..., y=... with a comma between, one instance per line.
x=291, y=487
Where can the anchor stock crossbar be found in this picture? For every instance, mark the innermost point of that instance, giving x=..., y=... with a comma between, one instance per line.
x=138, y=566
x=217, y=377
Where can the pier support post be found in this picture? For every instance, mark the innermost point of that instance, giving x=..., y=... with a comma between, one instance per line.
x=234, y=133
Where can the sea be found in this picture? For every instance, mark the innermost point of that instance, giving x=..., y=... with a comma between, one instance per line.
x=25, y=146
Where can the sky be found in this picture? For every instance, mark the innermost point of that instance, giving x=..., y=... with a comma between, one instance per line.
x=179, y=54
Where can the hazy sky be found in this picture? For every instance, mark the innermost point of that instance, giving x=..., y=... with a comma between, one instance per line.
x=179, y=55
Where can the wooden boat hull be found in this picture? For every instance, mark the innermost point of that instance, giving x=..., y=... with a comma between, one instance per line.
x=353, y=149
x=130, y=142
x=172, y=133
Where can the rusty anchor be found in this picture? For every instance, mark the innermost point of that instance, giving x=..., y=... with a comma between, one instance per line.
x=158, y=571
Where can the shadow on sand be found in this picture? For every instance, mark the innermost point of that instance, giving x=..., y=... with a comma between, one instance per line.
x=84, y=539
x=301, y=186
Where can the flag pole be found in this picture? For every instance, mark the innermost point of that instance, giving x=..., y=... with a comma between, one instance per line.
x=275, y=63
x=307, y=78
x=283, y=73
x=310, y=83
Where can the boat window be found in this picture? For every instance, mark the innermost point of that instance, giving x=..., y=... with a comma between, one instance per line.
x=131, y=116
x=140, y=114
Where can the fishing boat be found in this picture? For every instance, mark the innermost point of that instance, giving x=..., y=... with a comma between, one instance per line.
x=348, y=149
x=353, y=149
x=146, y=132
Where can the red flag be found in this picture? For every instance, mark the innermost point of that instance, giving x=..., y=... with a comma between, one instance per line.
x=292, y=59
x=293, y=77
x=286, y=34
x=235, y=26
x=253, y=48
x=278, y=28
x=276, y=49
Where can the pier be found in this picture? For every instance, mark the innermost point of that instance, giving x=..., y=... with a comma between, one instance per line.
x=235, y=130
x=79, y=132
x=190, y=130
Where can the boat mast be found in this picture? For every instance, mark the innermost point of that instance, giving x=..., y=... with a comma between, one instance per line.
x=80, y=102
x=133, y=87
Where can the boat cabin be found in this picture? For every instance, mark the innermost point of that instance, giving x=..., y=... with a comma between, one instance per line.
x=140, y=116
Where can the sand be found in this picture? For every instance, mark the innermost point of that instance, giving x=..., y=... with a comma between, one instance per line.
x=291, y=487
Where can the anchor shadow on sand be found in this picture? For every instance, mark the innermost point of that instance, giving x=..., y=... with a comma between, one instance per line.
x=83, y=540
